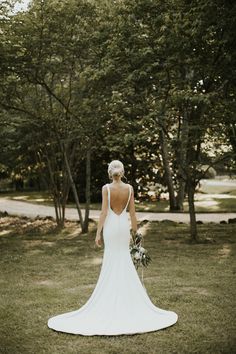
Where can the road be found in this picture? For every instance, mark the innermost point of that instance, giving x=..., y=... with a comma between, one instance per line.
x=15, y=207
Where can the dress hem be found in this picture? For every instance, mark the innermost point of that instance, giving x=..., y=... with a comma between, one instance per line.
x=116, y=334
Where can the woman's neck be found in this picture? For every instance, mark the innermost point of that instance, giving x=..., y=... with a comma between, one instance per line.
x=117, y=181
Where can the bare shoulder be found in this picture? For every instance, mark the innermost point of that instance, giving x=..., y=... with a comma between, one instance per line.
x=130, y=186
x=104, y=189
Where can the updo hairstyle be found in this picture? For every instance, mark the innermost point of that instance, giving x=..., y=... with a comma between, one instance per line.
x=115, y=168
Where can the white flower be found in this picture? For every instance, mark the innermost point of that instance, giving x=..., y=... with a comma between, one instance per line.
x=137, y=255
x=141, y=249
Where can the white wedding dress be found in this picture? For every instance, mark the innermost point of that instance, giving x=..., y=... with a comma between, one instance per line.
x=119, y=303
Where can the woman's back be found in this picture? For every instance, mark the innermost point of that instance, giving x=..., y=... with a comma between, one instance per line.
x=119, y=196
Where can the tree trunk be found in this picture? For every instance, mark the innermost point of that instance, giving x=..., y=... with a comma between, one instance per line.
x=192, y=214
x=65, y=190
x=56, y=195
x=180, y=195
x=133, y=170
x=231, y=129
x=87, y=191
x=73, y=186
x=168, y=173
x=182, y=155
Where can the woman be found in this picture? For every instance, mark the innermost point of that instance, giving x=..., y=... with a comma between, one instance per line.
x=119, y=303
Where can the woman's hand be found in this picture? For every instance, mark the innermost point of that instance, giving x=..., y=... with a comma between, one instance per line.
x=98, y=240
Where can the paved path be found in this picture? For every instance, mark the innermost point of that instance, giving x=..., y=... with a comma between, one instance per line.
x=32, y=210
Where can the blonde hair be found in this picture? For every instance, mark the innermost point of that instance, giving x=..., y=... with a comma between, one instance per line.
x=116, y=168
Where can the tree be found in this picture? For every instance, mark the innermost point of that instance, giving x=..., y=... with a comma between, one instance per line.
x=50, y=79
x=170, y=64
x=159, y=76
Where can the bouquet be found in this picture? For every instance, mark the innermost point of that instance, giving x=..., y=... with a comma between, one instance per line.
x=138, y=253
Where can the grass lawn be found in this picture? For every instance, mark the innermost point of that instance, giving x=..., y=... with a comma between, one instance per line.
x=45, y=272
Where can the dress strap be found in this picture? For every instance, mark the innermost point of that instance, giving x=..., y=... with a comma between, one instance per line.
x=128, y=197
x=109, y=196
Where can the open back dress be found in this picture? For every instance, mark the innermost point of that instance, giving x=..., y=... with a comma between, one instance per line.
x=119, y=303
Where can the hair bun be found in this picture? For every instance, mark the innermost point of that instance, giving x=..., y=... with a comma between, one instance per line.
x=115, y=168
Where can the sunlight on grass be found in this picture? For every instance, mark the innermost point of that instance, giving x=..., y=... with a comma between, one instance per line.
x=4, y=232
x=21, y=197
x=46, y=282
x=96, y=260
x=225, y=251
x=40, y=200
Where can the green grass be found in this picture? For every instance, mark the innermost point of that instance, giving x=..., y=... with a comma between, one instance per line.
x=45, y=272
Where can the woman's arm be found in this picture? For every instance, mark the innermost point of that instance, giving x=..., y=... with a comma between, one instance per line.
x=132, y=212
x=102, y=217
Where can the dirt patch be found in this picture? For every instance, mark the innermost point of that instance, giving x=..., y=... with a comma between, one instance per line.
x=32, y=243
x=69, y=250
x=36, y=243
x=78, y=289
x=225, y=251
x=46, y=282
x=94, y=261
x=42, y=226
x=73, y=232
x=152, y=279
x=24, y=225
x=191, y=289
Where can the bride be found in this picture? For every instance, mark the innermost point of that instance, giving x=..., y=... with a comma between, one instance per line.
x=119, y=303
